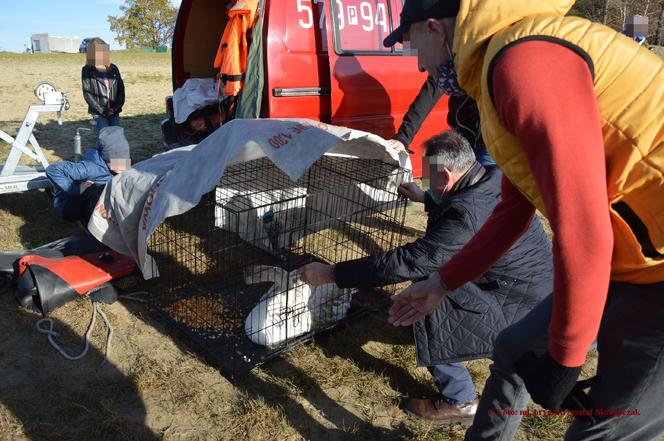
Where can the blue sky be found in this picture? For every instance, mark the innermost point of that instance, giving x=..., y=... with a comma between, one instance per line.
x=19, y=19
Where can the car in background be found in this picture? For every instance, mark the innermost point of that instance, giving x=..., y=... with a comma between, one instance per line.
x=84, y=44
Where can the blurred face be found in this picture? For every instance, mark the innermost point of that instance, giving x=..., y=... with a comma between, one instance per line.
x=638, y=27
x=119, y=165
x=434, y=175
x=427, y=40
x=98, y=55
x=637, y=31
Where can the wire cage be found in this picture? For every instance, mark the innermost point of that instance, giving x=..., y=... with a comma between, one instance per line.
x=228, y=280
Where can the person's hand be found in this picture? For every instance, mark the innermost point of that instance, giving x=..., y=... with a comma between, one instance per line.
x=316, y=274
x=85, y=185
x=547, y=382
x=416, y=301
x=412, y=191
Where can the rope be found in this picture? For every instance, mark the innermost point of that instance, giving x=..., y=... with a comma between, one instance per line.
x=96, y=309
x=109, y=334
x=51, y=333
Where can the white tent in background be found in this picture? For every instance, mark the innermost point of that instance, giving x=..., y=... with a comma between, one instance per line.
x=44, y=44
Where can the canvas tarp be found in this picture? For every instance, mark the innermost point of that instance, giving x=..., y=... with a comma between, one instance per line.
x=135, y=202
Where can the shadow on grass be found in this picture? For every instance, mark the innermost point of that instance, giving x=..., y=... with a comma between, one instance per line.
x=344, y=343
x=58, y=399
x=29, y=220
x=143, y=133
x=347, y=425
x=374, y=328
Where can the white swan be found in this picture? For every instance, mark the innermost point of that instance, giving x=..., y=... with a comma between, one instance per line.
x=291, y=308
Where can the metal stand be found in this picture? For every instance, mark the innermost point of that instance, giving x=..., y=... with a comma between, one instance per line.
x=19, y=178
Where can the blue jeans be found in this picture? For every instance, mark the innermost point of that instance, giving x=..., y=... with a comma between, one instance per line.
x=454, y=382
x=630, y=369
x=103, y=121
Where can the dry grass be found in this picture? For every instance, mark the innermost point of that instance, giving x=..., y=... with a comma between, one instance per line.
x=147, y=81
x=349, y=384
x=27, y=220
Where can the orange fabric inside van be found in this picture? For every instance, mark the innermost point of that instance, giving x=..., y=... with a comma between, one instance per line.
x=231, y=58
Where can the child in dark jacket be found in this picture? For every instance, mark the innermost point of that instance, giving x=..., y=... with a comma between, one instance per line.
x=78, y=185
x=103, y=88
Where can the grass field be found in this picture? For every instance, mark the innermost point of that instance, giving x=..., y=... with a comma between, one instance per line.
x=349, y=384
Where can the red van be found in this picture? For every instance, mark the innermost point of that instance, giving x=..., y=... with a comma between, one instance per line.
x=317, y=59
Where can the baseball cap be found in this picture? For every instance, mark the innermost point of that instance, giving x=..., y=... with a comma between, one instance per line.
x=415, y=11
x=113, y=144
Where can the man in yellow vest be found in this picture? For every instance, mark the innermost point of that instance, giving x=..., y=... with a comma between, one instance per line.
x=573, y=113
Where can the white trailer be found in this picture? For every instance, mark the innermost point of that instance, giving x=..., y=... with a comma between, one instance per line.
x=44, y=43
x=15, y=177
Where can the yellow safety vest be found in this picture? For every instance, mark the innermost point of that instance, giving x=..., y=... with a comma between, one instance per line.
x=629, y=86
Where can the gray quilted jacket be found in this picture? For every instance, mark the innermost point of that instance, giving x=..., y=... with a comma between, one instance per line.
x=467, y=322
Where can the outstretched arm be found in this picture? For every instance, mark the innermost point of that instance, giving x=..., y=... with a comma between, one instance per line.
x=411, y=261
x=418, y=111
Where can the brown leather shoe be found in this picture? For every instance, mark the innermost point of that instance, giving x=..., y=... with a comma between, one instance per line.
x=440, y=412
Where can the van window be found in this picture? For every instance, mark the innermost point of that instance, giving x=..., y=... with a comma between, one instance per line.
x=360, y=26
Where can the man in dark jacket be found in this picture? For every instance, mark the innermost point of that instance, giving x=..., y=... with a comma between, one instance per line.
x=78, y=185
x=463, y=116
x=461, y=197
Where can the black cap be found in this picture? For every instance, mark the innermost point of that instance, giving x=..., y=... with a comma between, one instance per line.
x=415, y=11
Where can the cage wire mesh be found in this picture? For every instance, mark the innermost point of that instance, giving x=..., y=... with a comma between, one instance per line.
x=229, y=284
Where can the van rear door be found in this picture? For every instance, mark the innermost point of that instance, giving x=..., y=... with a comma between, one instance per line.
x=296, y=64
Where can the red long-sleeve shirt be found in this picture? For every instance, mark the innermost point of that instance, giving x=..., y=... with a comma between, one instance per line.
x=544, y=95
